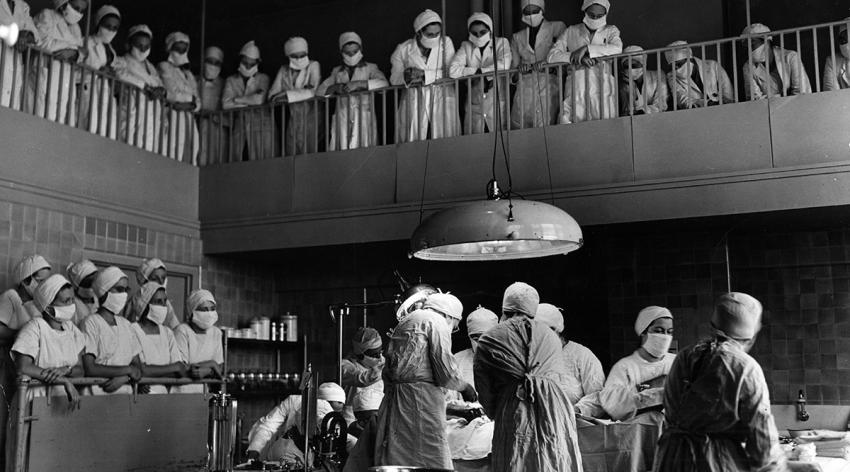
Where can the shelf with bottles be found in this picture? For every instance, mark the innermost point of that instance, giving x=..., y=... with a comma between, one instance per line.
x=262, y=343
x=260, y=384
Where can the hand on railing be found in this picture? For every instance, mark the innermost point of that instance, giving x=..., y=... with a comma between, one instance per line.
x=67, y=55
x=26, y=39
x=155, y=93
x=413, y=76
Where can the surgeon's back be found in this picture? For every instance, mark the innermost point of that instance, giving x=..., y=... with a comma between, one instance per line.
x=717, y=412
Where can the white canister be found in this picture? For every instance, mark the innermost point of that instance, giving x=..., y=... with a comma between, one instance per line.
x=257, y=328
x=265, y=328
x=290, y=323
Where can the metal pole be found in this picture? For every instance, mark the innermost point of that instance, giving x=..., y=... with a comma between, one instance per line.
x=749, y=13
x=364, y=308
x=203, y=46
x=342, y=313
x=20, y=420
x=728, y=268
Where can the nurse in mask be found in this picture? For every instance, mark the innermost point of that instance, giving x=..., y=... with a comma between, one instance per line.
x=428, y=103
x=248, y=87
x=353, y=124
x=778, y=71
x=141, y=105
x=362, y=369
x=297, y=81
x=536, y=101
x=182, y=94
x=589, y=92
x=482, y=54
x=695, y=82
x=82, y=275
x=151, y=270
x=16, y=304
x=112, y=349
x=98, y=107
x=199, y=341
x=213, y=128
x=636, y=382
x=836, y=71
x=48, y=348
x=59, y=35
x=642, y=91
x=160, y=356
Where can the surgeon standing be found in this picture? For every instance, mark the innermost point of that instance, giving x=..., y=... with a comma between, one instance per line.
x=517, y=372
x=584, y=375
x=589, y=92
x=362, y=369
x=412, y=420
x=636, y=382
x=716, y=399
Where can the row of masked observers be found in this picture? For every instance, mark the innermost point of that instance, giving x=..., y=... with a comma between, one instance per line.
x=54, y=329
x=425, y=65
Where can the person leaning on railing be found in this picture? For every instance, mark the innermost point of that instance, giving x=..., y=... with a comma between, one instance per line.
x=428, y=105
x=778, y=71
x=214, y=129
x=141, y=108
x=353, y=125
x=199, y=341
x=536, y=101
x=589, y=92
x=160, y=356
x=181, y=91
x=98, y=107
x=112, y=350
x=12, y=72
x=248, y=87
x=836, y=71
x=696, y=82
x=295, y=84
x=641, y=91
x=59, y=34
x=482, y=54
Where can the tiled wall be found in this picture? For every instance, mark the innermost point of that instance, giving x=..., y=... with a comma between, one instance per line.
x=64, y=237
x=802, y=278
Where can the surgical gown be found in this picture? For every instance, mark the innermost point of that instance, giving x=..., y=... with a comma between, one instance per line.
x=354, y=120
x=412, y=418
x=536, y=100
x=622, y=397
x=303, y=122
x=516, y=373
x=718, y=413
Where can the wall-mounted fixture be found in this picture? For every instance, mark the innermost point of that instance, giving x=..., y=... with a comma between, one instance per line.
x=802, y=414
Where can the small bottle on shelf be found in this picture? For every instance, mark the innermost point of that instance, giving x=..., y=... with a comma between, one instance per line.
x=274, y=331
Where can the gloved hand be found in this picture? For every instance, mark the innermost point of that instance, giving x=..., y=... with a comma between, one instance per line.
x=469, y=394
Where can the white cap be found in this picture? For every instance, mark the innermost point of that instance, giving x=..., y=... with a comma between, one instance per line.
x=250, y=50
x=648, y=315
x=367, y=399
x=551, y=316
x=445, y=304
x=480, y=321
x=331, y=392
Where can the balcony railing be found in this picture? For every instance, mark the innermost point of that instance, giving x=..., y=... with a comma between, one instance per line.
x=556, y=93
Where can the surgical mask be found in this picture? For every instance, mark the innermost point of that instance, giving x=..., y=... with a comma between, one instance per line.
x=64, y=313
x=759, y=54
x=115, y=302
x=300, y=63
x=248, y=71
x=30, y=288
x=370, y=362
x=138, y=54
x=204, y=319
x=684, y=70
x=595, y=24
x=845, y=50
x=657, y=344
x=352, y=61
x=430, y=43
x=71, y=15
x=178, y=59
x=636, y=73
x=211, y=72
x=157, y=313
x=479, y=42
x=106, y=36
x=533, y=20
